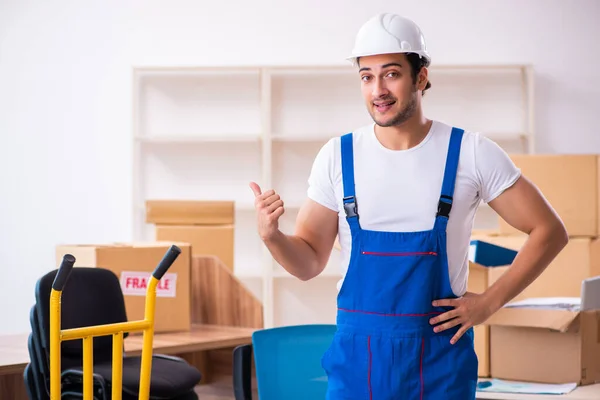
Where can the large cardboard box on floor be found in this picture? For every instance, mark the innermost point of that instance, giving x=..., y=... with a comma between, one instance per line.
x=580, y=259
x=133, y=263
x=208, y=226
x=485, y=260
x=545, y=345
x=570, y=183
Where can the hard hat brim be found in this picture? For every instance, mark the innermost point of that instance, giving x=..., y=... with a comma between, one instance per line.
x=353, y=58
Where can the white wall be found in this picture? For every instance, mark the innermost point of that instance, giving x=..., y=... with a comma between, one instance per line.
x=65, y=93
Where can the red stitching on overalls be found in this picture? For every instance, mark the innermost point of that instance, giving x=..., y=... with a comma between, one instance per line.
x=422, y=381
x=390, y=315
x=403, y=254
x=370, y=363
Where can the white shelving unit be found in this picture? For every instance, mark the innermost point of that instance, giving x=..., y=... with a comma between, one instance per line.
x=205, y=133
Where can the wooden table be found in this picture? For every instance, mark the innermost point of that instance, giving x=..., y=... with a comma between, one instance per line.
x=208, y=347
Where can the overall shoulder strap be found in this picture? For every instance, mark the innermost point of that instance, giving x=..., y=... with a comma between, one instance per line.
x=446, y=197
x=347, y=152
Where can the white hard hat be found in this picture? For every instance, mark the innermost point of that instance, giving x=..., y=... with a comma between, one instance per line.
x=386, y=34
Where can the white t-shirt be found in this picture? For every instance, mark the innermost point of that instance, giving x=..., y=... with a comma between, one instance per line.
x=399, y=190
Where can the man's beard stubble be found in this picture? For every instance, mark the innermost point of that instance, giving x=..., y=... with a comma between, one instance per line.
x=403, y=115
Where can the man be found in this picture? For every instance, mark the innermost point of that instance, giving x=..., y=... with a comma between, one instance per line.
x=402, y=194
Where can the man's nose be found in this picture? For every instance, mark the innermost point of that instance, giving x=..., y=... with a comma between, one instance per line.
x=379, y=89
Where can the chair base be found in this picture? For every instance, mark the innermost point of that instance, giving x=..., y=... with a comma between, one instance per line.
x=242, y=372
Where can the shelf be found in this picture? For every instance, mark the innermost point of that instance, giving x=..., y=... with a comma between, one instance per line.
x=300, y=103
x=217, y=172
x=206, y=132
x=248, y=274
x=321, y=138
x=191, y=139
x=476, y=68
x=245, y=206
x=193, y=71
x=469, y=107
x=186, y=102
x=299, y=302
x=501, y=136
x=291, y=166
x=311, y=70
x=178, y=70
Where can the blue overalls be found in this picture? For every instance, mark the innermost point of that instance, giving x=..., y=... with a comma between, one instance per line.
x=384, y=347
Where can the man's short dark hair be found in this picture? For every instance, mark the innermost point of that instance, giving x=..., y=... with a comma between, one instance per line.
x=416, y=64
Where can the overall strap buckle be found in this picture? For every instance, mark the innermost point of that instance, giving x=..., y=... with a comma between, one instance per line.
x=350, y=207
x=444, y=206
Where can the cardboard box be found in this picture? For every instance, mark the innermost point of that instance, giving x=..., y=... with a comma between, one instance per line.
x=208, y=226
x=133, y=263
x=546, y=346
x=217, y=240
x=485, y=261
x=570, y=184
x=580, y=259
x=190, y=212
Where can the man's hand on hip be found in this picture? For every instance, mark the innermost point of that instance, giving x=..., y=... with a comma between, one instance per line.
x=470, y=310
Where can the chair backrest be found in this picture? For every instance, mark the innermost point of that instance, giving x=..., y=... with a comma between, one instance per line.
x=91, y=296
x=32, y=378
x=40, y=367
x=29, y=384
x=288, y=361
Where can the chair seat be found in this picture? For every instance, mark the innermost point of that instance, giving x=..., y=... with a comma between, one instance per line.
x=170, y=377
x=272, y=350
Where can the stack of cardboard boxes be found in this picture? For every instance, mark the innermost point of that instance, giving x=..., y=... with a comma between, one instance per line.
x=197, y=227
x=545, y=345
x=207, y=225
x=133, y=263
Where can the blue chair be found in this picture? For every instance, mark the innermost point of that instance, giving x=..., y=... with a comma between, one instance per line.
x=287, y=362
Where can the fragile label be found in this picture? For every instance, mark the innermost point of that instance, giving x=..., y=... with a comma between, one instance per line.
x=135, y=283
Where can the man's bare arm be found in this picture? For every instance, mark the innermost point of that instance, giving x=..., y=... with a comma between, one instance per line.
x=305, y=253
x=524, y=207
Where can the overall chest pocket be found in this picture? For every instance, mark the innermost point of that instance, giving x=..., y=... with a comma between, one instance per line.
x=393, y=276
x=399, y=253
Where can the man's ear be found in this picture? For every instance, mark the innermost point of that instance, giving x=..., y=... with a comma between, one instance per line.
x=422, y=78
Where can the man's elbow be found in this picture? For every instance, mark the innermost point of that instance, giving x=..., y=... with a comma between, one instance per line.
x=314, y=268
x=562, y=236
x=305, y=277
x=556, y=233
x=310, y=273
